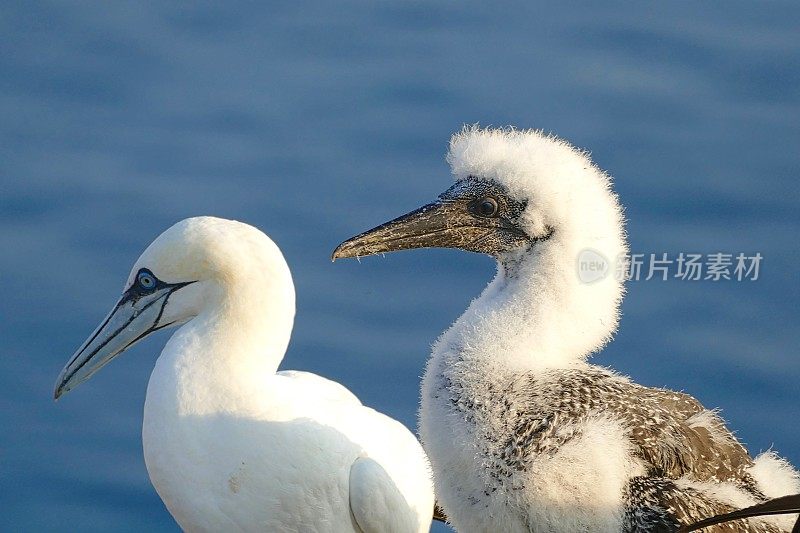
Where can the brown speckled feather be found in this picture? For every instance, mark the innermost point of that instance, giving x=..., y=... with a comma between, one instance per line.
x=671, y=431
x=658, y=505
x=673, y=434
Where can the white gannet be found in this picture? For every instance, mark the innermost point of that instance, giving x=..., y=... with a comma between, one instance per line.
x=522, y=432
x=230, y=443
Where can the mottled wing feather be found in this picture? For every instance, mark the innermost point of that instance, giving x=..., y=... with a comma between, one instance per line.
x=671, y=431
x=678, y=437
x=776, y=506
x=658, y=505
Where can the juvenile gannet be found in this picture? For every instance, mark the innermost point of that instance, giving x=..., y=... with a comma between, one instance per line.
x=230, y=443
x=522, y=432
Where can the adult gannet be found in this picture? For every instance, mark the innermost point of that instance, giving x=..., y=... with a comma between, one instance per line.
x=522, y=432
x=230, y=443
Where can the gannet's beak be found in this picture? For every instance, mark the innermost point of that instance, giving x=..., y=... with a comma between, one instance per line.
x=441, y=224
x=135, y=316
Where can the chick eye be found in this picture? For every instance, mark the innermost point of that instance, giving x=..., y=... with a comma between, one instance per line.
x=485, y=207
x=146, y=280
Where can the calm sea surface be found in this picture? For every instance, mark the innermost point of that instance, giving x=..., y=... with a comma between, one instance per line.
x=314, y=121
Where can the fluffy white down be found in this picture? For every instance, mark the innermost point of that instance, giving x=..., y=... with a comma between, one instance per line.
x=233, y=445
x=775, y=476
x=564, y=318
x=581, y=483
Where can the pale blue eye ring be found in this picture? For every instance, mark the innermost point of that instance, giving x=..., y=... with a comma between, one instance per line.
x=146, y=280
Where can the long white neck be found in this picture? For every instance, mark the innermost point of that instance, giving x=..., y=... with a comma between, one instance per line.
x=536, y=314
x=221, y=358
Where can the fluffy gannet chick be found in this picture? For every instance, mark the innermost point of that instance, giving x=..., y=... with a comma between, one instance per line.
x=522, y=432
x=230, y=443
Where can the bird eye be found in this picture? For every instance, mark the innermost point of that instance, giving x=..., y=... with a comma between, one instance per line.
x=485, y=207
x=146, y=280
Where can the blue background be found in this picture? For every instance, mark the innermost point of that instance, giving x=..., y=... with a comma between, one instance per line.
x=314, y=121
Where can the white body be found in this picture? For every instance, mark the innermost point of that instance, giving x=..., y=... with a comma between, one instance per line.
x=283, y=464
x=230, y=443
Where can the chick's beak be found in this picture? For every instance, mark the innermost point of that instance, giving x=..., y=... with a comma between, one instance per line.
x=440, y=224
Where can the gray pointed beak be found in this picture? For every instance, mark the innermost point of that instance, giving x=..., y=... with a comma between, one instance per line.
x=134, y=317
x=441, y=224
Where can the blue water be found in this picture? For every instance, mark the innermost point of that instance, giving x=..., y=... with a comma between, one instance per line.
x=314, y=121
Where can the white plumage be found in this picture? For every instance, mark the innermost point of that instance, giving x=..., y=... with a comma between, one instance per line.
x=230, y=443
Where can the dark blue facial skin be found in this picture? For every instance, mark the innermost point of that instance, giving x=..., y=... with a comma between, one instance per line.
x=146, y=283
x=146, y=279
